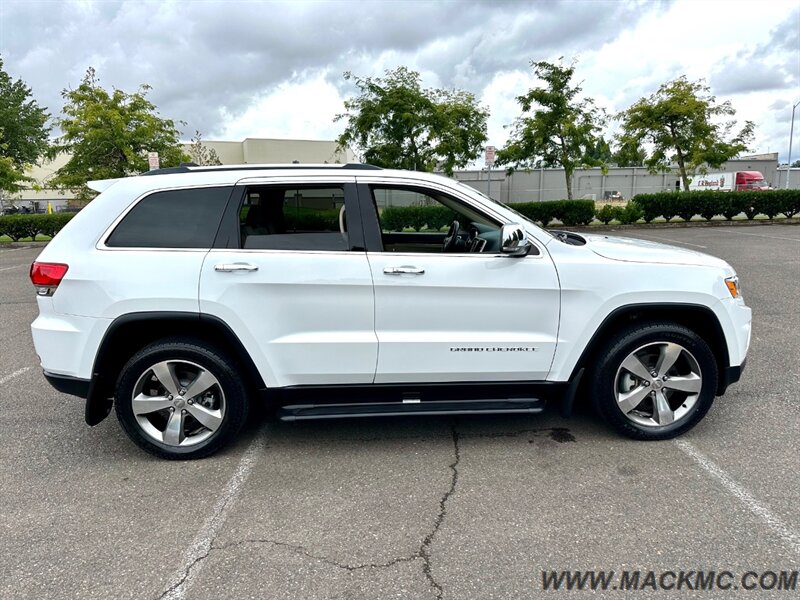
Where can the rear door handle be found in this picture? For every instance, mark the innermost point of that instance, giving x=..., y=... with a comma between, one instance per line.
x=234, y=267
x=404, y=270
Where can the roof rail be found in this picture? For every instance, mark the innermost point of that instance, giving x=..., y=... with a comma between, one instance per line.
x=192, y=168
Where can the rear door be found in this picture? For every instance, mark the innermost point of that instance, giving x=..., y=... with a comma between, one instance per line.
x=289, y=274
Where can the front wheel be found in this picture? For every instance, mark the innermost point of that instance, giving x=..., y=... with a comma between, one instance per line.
x=180, y=399
x=654, y=381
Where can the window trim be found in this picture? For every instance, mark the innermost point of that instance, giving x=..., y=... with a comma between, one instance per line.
x=102, y=242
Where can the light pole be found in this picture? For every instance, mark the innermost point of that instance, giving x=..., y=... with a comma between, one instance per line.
x=791, y=133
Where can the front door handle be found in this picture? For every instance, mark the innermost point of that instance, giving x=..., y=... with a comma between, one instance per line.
x=234, y=267
x=404, y=270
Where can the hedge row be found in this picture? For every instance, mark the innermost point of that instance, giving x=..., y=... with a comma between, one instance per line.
x=569, y=212
x=29, y=226
x=709, y=204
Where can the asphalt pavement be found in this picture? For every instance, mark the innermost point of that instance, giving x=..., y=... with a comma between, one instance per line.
x=435, y=507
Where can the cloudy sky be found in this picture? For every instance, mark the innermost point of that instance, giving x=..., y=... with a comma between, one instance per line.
x=241, y=69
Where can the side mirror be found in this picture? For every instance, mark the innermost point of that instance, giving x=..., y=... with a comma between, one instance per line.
x=514, y=240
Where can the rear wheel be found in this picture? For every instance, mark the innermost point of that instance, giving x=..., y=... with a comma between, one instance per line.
x=180, y=399
x=654, y=381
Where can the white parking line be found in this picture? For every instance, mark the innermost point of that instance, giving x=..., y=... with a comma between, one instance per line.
x=791, y=537
x=15, y=267
x=658, y=237
x=201, y=545
x=769, y=237
x=11, y=376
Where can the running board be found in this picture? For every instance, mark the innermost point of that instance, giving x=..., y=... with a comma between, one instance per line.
x=300, y=412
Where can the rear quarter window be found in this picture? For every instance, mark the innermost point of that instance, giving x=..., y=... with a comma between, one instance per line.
x=172, y=219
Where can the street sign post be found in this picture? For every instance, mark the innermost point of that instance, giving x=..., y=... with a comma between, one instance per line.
x=489, y=160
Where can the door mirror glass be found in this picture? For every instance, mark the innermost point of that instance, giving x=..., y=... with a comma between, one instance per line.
x=514, y=240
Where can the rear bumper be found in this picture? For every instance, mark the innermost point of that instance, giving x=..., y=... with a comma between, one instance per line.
x=65, y=384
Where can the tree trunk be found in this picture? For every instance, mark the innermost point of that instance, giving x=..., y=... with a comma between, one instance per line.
x=682, y=168
x=568, y=177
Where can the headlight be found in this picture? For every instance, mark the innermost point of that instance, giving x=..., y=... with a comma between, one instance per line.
x=733, y=286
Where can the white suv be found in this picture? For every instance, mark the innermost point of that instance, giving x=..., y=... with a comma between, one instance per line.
x=334, y=291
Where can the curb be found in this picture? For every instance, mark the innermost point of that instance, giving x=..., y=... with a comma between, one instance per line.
x=680, y=225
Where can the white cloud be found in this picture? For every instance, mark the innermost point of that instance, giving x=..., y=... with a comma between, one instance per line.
x=239, y=69
x=301, y=108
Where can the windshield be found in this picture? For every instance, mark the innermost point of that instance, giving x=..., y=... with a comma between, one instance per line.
x=505, y=206
x=757, y=183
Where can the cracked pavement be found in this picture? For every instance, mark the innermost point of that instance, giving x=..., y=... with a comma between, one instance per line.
x=429, y=508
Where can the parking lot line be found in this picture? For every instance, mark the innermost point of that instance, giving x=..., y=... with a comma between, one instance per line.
x=11, y=376
x=770, y=237
x=754, y=506
x=201, y=545
x=14, y=267
x=658, y=237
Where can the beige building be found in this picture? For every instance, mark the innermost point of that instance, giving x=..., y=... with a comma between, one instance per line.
x=248, y=151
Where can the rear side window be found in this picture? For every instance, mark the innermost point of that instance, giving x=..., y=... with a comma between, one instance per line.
x=292, y=218
x=173, y=219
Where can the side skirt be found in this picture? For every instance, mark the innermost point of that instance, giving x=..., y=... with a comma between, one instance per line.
x=332, y=402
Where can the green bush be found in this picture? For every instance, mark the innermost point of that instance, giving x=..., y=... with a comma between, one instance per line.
x=607, y=213
x=398, y=218
x=304, y=219
x=569, y=212
x=708, y=204
x=769, y=205
x=709, y=207
x=629, y=214
x=29, y=226
x=790, y=204
x=575, y=212
x=651, y=205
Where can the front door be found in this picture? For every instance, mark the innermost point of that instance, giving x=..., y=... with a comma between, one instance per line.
x=455, y=310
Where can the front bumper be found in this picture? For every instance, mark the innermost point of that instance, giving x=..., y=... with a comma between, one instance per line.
x=728, y=376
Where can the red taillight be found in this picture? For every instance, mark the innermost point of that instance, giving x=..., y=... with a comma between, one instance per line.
x=47, y=276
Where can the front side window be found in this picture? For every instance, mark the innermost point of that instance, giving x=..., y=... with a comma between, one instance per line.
x=172, y=219
x=418, y=220
x=294, y=218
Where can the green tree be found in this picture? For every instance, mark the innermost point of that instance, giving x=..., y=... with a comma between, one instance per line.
x=109, y=135
x=393, y=122
x=629, y=153
x=598, y=152
x=681, y=121
x=201, y=154
x=23, y=131
x=11, y=177
x=557, y=128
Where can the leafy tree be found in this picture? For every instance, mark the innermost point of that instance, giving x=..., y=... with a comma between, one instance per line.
x=598, y=152
x=629, y=153
x=394, y=122
x=202, y=154
x=11, y=178
x=681, y=122
x=23, y=131
x=796, y=164
x=556, y=128
x=110, y=134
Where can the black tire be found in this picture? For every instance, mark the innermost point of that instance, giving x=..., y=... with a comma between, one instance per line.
x=605, y=383
x=228, y=396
